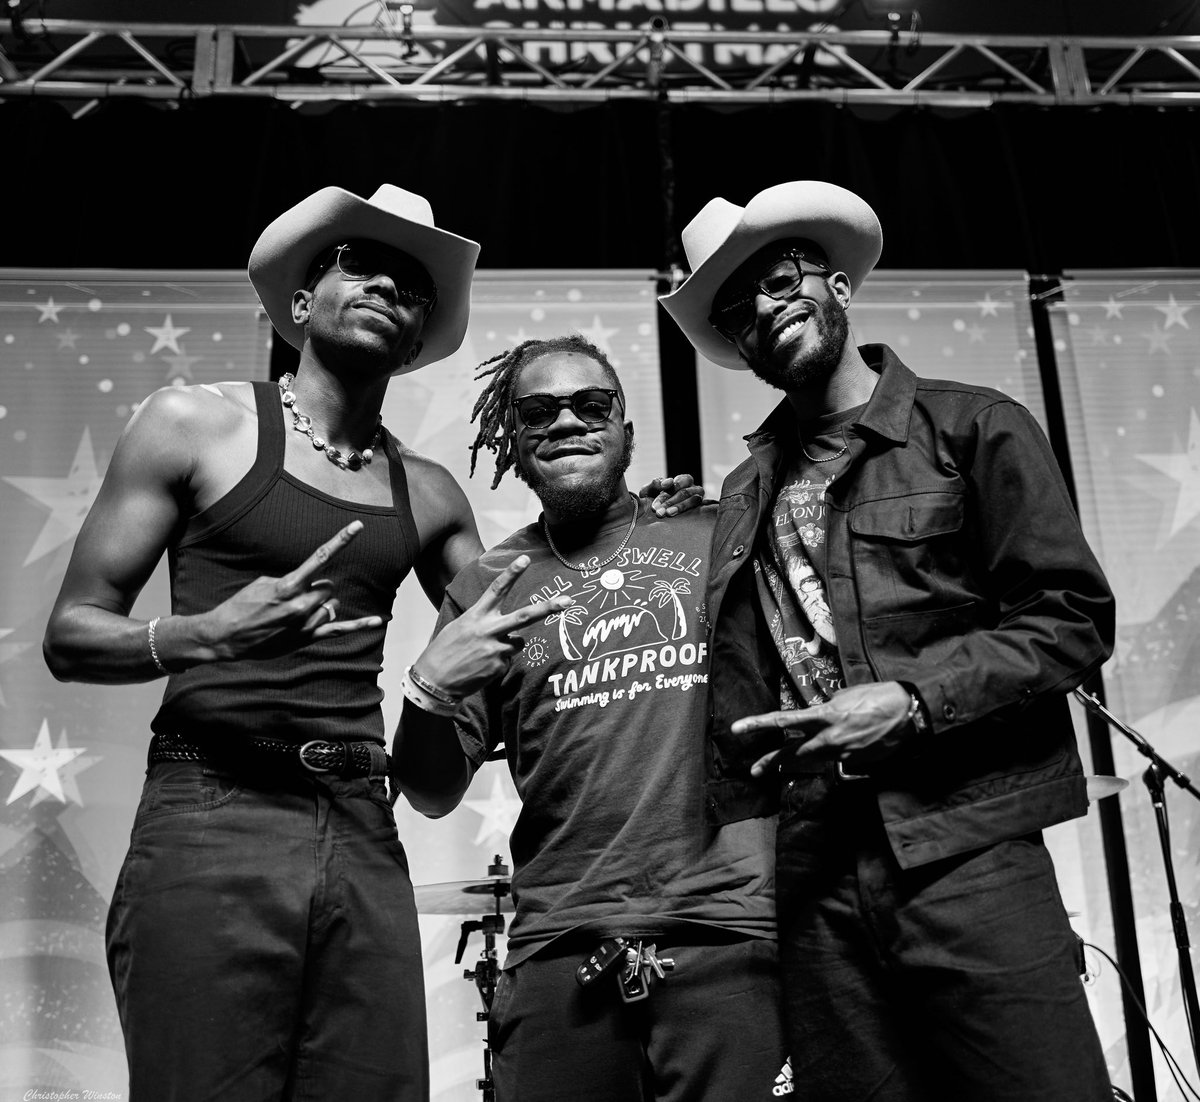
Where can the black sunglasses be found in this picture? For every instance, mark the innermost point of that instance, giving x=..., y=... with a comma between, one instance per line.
x=733, y=319
x=592, y=406
x=364, y=259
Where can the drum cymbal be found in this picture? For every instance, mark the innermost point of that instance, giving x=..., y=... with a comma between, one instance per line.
x=465, y=897
x=1098, y=787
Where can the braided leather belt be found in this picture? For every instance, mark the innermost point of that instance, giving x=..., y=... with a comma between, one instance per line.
x=360, y=758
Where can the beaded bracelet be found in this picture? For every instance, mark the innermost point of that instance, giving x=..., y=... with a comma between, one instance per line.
x=154, y=649
x=426, y=701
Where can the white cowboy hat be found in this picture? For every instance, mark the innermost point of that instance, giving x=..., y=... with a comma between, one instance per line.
x=285, y=249
x=723, y=235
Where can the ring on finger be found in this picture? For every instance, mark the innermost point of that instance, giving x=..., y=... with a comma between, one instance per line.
x=328, y=606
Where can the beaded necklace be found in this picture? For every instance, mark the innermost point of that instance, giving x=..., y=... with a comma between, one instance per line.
x=352, y=460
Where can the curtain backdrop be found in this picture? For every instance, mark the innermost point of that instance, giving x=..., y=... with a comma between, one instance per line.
x=1128, y=351
x=78, y=351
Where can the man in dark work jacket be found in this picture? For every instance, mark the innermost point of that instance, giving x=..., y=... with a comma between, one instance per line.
x=901, y=598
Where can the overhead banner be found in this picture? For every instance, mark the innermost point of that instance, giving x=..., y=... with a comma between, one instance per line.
x=683, y=16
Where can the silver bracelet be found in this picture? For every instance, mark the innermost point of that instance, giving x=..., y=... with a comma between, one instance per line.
x=423, y=700
x=154, y=649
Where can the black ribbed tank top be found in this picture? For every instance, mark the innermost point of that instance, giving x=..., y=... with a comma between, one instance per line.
x=268, y=524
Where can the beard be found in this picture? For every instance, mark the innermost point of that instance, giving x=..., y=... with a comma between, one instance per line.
x=573, y=501
x=815, y=366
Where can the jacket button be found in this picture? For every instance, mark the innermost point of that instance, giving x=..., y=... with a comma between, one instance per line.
x=739, y=549
x=949, y=711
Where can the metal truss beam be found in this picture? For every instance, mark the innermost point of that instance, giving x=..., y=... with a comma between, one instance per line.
x=424, y=62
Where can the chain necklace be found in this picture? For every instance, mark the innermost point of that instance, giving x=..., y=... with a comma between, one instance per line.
x=351, y=461
x=829, y=458
x=584, y=567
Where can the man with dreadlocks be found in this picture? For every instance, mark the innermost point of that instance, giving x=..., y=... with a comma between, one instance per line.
x=634, y=921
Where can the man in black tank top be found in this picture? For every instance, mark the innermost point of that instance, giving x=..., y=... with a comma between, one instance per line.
x=262, y=938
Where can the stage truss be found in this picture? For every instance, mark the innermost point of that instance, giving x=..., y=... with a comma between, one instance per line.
x=408, y=59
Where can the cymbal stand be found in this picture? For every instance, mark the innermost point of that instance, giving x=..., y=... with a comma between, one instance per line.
x=486, y=973
x=1153, y=778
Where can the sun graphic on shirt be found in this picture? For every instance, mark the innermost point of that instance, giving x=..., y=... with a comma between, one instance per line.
x=618, y=586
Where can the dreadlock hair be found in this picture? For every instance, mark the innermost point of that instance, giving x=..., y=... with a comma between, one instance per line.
x=494, y=405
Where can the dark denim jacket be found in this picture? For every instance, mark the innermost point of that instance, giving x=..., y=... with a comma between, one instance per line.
x=955, y=562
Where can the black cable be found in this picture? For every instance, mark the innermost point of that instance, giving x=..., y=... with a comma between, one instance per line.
x=1177, y=1072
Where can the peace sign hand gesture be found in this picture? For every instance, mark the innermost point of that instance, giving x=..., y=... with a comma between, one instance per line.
x=477, y=648
x=273, y=616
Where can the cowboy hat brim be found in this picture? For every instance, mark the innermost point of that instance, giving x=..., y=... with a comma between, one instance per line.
x=839, y=221
x=287, y=247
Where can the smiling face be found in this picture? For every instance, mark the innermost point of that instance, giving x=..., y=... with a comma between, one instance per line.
x=577, y=469
x=796, y=342
x=368, y=315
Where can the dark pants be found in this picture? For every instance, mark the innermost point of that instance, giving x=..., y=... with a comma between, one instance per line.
x=711, y=1030
x=263, y=943
x=956, y=981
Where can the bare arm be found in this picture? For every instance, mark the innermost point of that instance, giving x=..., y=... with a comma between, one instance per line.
x=445, y=524
x=156, y=475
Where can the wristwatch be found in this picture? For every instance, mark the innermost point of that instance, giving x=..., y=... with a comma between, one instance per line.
x=917, y=716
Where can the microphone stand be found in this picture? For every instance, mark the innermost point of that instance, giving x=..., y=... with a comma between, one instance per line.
x=1153, y=778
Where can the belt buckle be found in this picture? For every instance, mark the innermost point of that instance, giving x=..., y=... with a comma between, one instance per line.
x=842, y=775
x=320, y=743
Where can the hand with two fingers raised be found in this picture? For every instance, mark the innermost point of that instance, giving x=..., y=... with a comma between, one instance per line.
x=859, y=725
x=477, y=647
x=273, y=616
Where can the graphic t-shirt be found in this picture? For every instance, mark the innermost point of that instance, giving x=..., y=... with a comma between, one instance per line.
x=790, y=566
x=603, y=716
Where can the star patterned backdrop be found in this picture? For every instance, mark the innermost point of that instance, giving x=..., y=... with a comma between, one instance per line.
x=1128, y=351
x=430, y=410
x=79, y=350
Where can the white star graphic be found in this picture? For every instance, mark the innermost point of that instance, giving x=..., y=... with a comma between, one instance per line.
x=1159, y=339
x=181, y=366
x=1174, y=313
x=67, y=774
x=1184, y=469
x=598, y=335
x=988, y=307
x=47, y=310
x=975, y=334
x=68, y=499
x=499, y=811
x=166, y=335
x=40, y=765
x=1113, y=308
x=67, y=339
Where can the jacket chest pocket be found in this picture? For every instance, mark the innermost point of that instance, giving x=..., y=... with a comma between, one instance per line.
x=908, y=552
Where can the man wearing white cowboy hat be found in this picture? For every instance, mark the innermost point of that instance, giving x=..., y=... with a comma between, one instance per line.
x=901, y=599
x=262, y=938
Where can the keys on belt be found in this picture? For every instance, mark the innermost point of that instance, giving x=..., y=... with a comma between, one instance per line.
x=634, y=961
